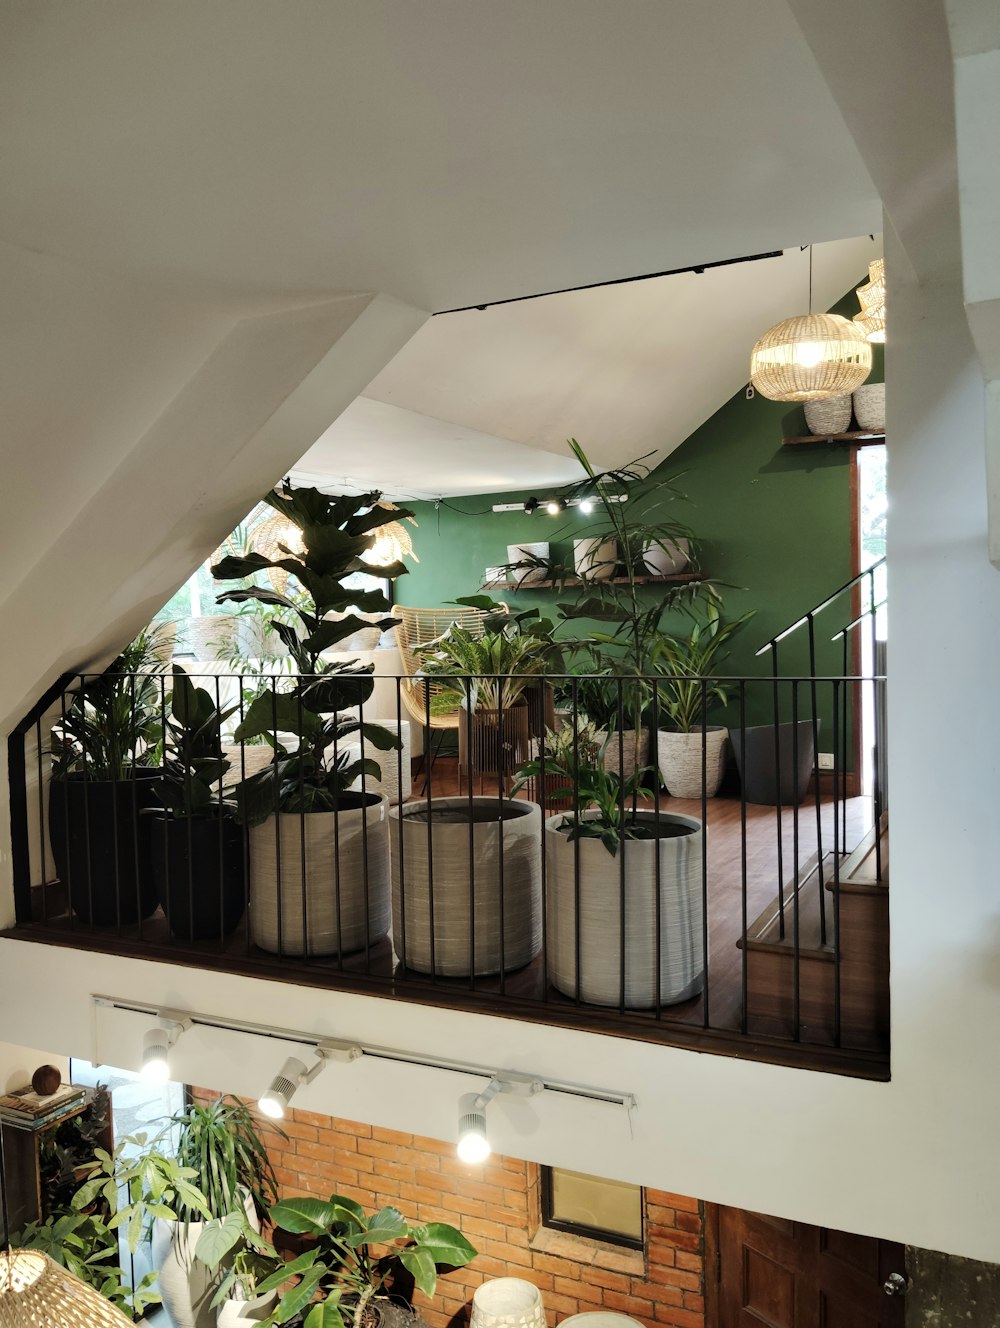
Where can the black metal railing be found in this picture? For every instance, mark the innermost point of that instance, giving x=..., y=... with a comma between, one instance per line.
x=541, y=866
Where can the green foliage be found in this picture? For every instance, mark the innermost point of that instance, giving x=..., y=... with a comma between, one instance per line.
x=341, y=1267
x=221, y=1145
x=682, y=661
x=86, y=1245
x=193, y=763
x=491, y=671
x=606, y=796
x=113, y=722
x=336, y=532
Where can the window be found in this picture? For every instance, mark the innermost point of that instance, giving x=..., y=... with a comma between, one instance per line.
x=609, y=1210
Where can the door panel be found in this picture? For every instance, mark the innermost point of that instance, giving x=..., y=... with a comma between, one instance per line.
x=774, y=1273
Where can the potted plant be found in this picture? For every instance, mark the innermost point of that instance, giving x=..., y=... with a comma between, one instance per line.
x=238, y=1299
x=607, y=860
x=319, y=852
x=487, y=676
x=197, y=849
x=556, y=753
x=219, y=1146
x=685, y=687
x=104, y=745
x=342, y=1277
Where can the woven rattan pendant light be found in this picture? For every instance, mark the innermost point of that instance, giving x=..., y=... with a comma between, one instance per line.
x=36, y=1293
x=871, y=297
x=810, y=357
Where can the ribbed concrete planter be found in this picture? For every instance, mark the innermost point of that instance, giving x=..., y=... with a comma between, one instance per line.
x=679, y=960
x=441, y=837
x=323, y=884
x=679, y=756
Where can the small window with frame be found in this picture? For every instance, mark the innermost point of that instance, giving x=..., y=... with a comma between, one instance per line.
x=607, y=1210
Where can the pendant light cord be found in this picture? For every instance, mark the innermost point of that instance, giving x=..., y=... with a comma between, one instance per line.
x=810, y=278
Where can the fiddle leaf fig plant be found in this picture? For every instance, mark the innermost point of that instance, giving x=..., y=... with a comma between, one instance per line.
x=341, y=1273
x=310, y=717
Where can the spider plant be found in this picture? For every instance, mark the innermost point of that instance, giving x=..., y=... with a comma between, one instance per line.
x=221, y=1145
x=684, y=665
x=490, y=672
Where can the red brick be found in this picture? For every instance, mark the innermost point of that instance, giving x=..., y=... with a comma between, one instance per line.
x=688, y=1222
x=638, y=1305
x=677, y=1318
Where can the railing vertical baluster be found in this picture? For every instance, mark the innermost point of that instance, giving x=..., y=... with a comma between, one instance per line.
x=836, y=874
x=400, y=940
x=777, y=790
x=658, y=865
x=365, y=866
x=134, y=791
x=20, y=840
x=876, y=726
x=68, y=883
x=429, y=791
x=706, y=1012
x=796, y=882
x=622, y=935
x=277, y=826
x=814, y=699
x=855, y=696
x=161, y=821
x=245, y=835
x=86, y=809
x=543, y=846
x=578, y=816
x=41, y=823
x=501, y=770
x=221, y=828
x=189, y=835
x=743, y=866
x=337, y=872
x=472, y=841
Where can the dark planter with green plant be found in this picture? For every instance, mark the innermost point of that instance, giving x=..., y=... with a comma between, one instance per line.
x=342, y=1277
x=199, y=863
x=319, y=852
x=103, y=745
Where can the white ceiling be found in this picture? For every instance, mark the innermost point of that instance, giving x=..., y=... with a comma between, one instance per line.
x=446, y=152
x=483, y=402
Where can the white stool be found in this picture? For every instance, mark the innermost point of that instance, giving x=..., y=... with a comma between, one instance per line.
x=507, y=1302
x=388, y=761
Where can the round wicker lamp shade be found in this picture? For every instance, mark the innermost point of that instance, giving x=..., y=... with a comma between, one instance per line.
x=809, y=358
x=36, y=1293
x=871, y=297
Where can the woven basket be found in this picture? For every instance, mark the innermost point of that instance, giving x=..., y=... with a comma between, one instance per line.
x=830, y=416
x=36, y=1293
x=679, y=756
x=625, y=752
x=869, y=407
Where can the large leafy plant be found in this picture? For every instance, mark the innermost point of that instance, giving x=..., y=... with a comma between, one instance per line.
x=85, y=1244
x=684, y=665
x=220, y=1143
x=342, y=1271
x=194, y=763
x=490, y=672
x=318, y=710
x=112, y=724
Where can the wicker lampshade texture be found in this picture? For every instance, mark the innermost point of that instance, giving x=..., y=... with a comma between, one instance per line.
x=871, y=297
x=36, y=1293
x=810, y=357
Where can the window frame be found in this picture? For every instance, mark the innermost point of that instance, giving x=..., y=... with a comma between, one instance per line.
x=553, y=1223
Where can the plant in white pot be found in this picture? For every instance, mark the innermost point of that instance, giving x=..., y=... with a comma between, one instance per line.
x=319, y=852
x=691, y=753
x=622, y=880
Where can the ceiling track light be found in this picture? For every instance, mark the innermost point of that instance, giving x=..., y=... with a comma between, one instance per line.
x=294, y=1073
x=555, y=506
x=473, y=1145
x=156, y=1044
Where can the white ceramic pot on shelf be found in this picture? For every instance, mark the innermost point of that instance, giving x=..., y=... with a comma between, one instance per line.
x=666, y=557
x=595, y=559
x=529, y=576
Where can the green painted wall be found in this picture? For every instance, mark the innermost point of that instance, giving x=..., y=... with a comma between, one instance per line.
x=774, y=523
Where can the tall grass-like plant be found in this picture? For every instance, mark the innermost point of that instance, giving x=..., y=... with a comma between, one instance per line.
x=490, y=672
x=222, y=1146
x=683, y=662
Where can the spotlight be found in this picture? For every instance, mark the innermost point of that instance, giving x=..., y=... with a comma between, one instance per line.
x=586, y=506
x=531, y=506
x=274, y=1102
x=156, y=1044
x=554, y=506
x=473, y=1145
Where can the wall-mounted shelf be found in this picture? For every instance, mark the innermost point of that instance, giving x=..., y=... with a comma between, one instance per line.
x=674, y=579
x=855, y=439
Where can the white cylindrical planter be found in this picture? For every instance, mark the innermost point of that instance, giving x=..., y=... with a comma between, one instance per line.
x=869, y=407
x=186, y=1285
x=465, y=860
x=507, y=1302
x=679, y=756
x=329, y=878
x=595, y=559
x=232, y=1313
x=529, y=576
x=680, y=957
x=666, y=557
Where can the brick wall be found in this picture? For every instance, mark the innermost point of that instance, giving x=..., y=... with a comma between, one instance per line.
x=497, y=1206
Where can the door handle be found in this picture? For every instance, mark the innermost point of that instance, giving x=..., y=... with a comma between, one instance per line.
x=895, y=1285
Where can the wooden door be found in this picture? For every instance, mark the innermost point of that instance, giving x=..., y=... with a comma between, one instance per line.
x=779, y=1274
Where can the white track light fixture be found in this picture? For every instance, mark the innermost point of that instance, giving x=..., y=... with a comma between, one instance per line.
x=473, y=1145
x=275, y=1101
x=156, y=1044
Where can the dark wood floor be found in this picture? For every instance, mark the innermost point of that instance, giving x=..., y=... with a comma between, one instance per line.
x=712, y=1021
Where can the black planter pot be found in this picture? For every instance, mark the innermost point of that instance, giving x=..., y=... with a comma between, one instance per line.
x=100, y=845
x=757, y=764
x=199, y=870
